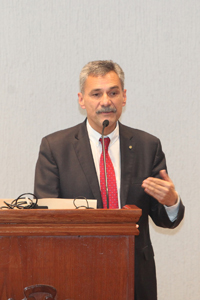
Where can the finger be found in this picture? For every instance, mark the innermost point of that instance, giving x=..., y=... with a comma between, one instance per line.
x=160, y=197
x=164, y=175
x=156, y=191
x=151, y=185
x=156, y=181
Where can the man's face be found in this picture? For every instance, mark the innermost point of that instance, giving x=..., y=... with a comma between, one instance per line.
x=103, y=99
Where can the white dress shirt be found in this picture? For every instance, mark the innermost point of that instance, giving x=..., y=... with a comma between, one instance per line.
x=115, y=155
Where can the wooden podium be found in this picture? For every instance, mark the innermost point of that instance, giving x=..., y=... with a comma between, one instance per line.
x=85, y=254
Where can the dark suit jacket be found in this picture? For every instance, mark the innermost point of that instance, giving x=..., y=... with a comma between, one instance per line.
x=65, y=169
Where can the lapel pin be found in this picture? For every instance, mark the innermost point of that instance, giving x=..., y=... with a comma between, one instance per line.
x=130, y=147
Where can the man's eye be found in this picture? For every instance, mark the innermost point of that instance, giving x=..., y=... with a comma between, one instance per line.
x=96, y=95
x=113, y=94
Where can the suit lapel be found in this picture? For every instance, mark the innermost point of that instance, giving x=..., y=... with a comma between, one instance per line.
x=127, y=147
x=83, y=151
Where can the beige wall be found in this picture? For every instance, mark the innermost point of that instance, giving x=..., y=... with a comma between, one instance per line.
x=43, y=46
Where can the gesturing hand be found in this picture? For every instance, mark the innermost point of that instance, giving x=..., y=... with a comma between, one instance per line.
x=162, y=190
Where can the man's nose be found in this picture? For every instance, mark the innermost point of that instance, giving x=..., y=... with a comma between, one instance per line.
x=105, y=100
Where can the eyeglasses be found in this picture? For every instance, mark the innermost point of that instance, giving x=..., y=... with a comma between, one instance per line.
x=22, y=202
x=86, y=206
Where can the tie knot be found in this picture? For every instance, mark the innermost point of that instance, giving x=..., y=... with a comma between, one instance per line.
x=106, y=142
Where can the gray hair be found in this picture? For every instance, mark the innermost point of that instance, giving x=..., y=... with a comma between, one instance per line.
x=100, y=68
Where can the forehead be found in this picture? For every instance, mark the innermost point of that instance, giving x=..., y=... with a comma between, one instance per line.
x=102, y=82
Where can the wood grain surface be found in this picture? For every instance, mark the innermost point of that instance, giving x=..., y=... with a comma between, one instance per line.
x=90, y=257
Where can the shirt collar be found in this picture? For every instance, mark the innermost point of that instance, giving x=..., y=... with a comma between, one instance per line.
x=94, y=136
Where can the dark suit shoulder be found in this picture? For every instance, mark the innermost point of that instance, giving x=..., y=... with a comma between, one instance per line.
x=68, y=134
x=137, y=134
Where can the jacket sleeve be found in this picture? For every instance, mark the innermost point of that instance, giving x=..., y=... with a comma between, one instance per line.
x=158, y=212
x=46, y=183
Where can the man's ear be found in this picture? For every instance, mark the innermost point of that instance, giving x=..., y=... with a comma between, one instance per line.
x=124, y=98
x=81, y=100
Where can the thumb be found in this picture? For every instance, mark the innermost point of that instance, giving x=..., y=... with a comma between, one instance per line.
x=164, y=175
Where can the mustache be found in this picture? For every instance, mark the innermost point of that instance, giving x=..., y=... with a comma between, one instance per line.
x=106, y=110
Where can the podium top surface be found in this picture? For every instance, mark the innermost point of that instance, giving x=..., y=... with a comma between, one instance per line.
x=70, y=221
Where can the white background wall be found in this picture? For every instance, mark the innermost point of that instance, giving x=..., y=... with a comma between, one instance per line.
x=43, y=46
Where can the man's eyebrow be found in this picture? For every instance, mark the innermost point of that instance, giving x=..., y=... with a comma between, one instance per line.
x=95, y=90
x=114, y=87
x=110, y=88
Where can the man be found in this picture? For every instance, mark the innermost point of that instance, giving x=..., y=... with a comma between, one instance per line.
x=69, y=165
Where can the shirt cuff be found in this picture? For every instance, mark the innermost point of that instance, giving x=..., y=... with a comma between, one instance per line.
x=172, y=211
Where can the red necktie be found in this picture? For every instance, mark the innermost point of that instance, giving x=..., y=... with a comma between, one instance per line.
x=111, y=179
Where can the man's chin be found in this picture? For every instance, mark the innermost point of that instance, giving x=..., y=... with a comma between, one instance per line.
x=112, y=123
x=109, y=116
